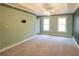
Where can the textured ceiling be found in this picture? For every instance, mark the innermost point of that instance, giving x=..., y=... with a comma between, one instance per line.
x=42, y=8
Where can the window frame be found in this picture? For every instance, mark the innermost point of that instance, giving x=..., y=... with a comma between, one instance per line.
x=46, y=24
x=64, y=24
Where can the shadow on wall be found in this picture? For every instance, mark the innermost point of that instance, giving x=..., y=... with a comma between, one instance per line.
x=76, y=25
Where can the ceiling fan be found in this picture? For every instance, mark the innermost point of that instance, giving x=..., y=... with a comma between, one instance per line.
x=48, y=9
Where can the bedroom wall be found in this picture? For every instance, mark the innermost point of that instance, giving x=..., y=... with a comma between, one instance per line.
x=0, y=35
x=76, y=25
x=54, y=26
x=13, y=30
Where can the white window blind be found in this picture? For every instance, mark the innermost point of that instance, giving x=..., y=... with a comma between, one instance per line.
x=46, y=24
x=62, y=24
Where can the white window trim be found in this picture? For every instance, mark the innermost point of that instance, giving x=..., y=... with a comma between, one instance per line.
x=62, y=24
x=46, y=24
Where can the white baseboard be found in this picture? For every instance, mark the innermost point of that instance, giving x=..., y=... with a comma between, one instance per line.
x=13, y=45
x=75, y=42
x=60, y=35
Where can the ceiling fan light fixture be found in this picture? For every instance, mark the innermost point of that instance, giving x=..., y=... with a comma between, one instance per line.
x=46, y=13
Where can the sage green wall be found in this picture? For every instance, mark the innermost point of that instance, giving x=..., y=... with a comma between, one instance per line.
x=13, y=30
x=54, y=26
x=0, y=32
x=76, y=25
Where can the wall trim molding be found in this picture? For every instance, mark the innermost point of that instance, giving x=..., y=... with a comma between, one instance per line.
x=15, y=44
x=54, y=15
x=69, y=36
x=75, y=42
x=63, y=35
x=75, y=8
x=9, y=6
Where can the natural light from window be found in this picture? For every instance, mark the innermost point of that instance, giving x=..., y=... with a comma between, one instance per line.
x=62, y=24
x=46, y=24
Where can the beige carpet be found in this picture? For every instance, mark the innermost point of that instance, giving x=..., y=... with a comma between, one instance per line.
x=44, y=45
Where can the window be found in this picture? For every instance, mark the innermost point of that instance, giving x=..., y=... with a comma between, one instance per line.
x=62, y=24
x=46, y=24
